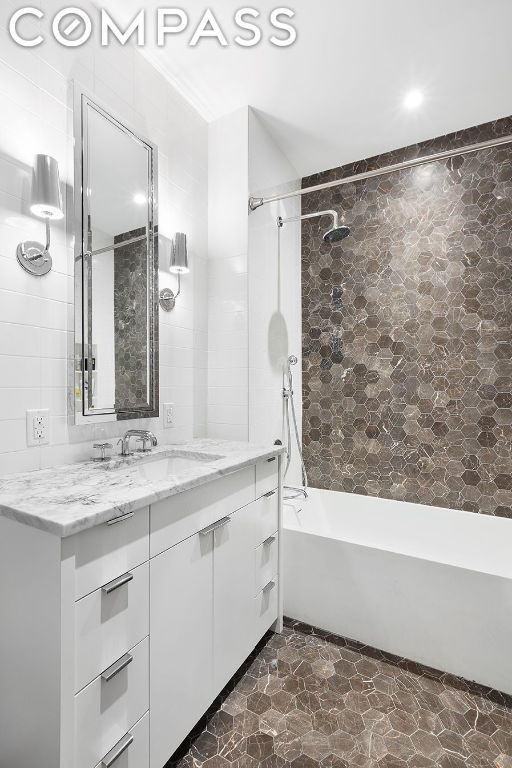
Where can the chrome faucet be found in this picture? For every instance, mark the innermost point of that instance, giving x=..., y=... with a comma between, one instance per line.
x=145, y=436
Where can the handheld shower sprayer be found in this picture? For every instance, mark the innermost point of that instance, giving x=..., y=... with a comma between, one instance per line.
x=292, y=360
x=290, y=406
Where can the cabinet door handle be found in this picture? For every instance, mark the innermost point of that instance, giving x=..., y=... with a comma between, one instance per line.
x=116, y=583
x=117, y=751
x=269, y=541
x=269, y=494
x=117, y=667
x=272, y=459
x=215, y=526
x=269, y=586
x=120, y=519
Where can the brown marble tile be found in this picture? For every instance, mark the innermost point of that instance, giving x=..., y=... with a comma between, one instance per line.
x=385, y=712
x=407, y=340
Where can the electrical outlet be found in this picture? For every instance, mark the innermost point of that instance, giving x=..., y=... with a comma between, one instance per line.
x=38, y=427
x=168, y=415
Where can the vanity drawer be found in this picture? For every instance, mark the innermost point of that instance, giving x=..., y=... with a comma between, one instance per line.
x=266, y=605
x=132, y=751
x=175, y=519
x=133, y=748
x=108, y=550
x=109, y=621
x=266, y=557
x=106, y=709
x=267, y=476
x=264, y=517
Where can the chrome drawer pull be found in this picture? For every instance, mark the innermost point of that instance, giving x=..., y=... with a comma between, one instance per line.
x=269, y=586
x=269, y=541
x=116, y=583
x=269, y=494
x=272, y=459
x=117, y=667
x=117, y=751
x=120, y=519
x=215, y=526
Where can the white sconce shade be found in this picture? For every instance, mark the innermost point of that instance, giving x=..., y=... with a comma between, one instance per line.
x=179, y=255
x=178, y=265
x=46, y=195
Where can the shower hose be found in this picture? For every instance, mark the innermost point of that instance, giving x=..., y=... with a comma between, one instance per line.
x=290, y=491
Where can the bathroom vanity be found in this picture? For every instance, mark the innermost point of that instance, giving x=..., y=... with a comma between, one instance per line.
x=123, y=620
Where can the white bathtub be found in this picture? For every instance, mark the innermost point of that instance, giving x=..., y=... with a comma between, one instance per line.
x=432, y=585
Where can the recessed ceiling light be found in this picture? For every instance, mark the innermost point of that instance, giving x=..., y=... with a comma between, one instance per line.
x=414, y=99
x=140, y=199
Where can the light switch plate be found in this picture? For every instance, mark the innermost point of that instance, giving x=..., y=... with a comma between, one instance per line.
x=168, y=410
x=38, y=427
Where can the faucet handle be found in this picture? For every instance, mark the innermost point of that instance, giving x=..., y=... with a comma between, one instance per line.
x=125, y=449
x=103, y=449
x=145, y=441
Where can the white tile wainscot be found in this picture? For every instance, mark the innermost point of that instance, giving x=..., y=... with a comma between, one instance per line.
x=118, y=637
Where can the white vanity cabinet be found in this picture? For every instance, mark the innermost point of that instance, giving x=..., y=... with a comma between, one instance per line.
x=116, y=640
x=181, y=647
x=234, y=623
x=205, y=612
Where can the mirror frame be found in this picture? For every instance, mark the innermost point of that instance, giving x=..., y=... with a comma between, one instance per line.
x=82, y=413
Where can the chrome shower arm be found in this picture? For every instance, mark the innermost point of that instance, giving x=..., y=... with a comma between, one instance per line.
x=333, y=235
x=281, y=222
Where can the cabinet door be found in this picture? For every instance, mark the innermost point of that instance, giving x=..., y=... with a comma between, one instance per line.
x=233, y=620
x=181, y=621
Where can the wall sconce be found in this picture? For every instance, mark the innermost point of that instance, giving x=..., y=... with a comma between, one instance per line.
x=178, y=265
x=46, y=203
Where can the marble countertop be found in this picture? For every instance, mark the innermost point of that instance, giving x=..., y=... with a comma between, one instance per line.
x=67, y=499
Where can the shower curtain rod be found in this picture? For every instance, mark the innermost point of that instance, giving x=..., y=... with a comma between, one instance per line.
x=257, y=202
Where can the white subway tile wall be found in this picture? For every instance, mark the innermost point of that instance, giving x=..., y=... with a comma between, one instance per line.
x=228, y=343
x=274, y=279
x=36, y=315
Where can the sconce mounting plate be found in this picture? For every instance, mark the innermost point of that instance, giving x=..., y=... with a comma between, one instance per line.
x=167, y=299
x=33, y=257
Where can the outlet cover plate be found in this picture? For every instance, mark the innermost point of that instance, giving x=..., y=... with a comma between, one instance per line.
x=38, y=427
x=168, y=410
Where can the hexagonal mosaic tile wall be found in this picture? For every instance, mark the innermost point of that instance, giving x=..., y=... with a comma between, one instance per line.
x=131, y=321
x=407, y=329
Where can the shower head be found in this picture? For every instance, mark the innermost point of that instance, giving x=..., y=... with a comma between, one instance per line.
x=336, y=234
x=333, y=235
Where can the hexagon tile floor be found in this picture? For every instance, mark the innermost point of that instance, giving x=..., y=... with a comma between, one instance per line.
x=307, y=698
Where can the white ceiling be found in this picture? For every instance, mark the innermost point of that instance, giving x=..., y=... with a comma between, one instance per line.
x=337, y=94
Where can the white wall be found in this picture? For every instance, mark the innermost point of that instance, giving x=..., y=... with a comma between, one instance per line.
x=36, y=315
x=227, y=277
x=254, y=302
x=274, y=266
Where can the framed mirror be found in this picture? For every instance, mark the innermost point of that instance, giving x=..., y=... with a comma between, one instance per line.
x=116, y=268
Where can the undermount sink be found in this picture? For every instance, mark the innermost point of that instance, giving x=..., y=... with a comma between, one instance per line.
x=155, y=469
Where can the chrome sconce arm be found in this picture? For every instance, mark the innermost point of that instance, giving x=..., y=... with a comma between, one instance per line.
x=33, y=256
x=168, y=297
